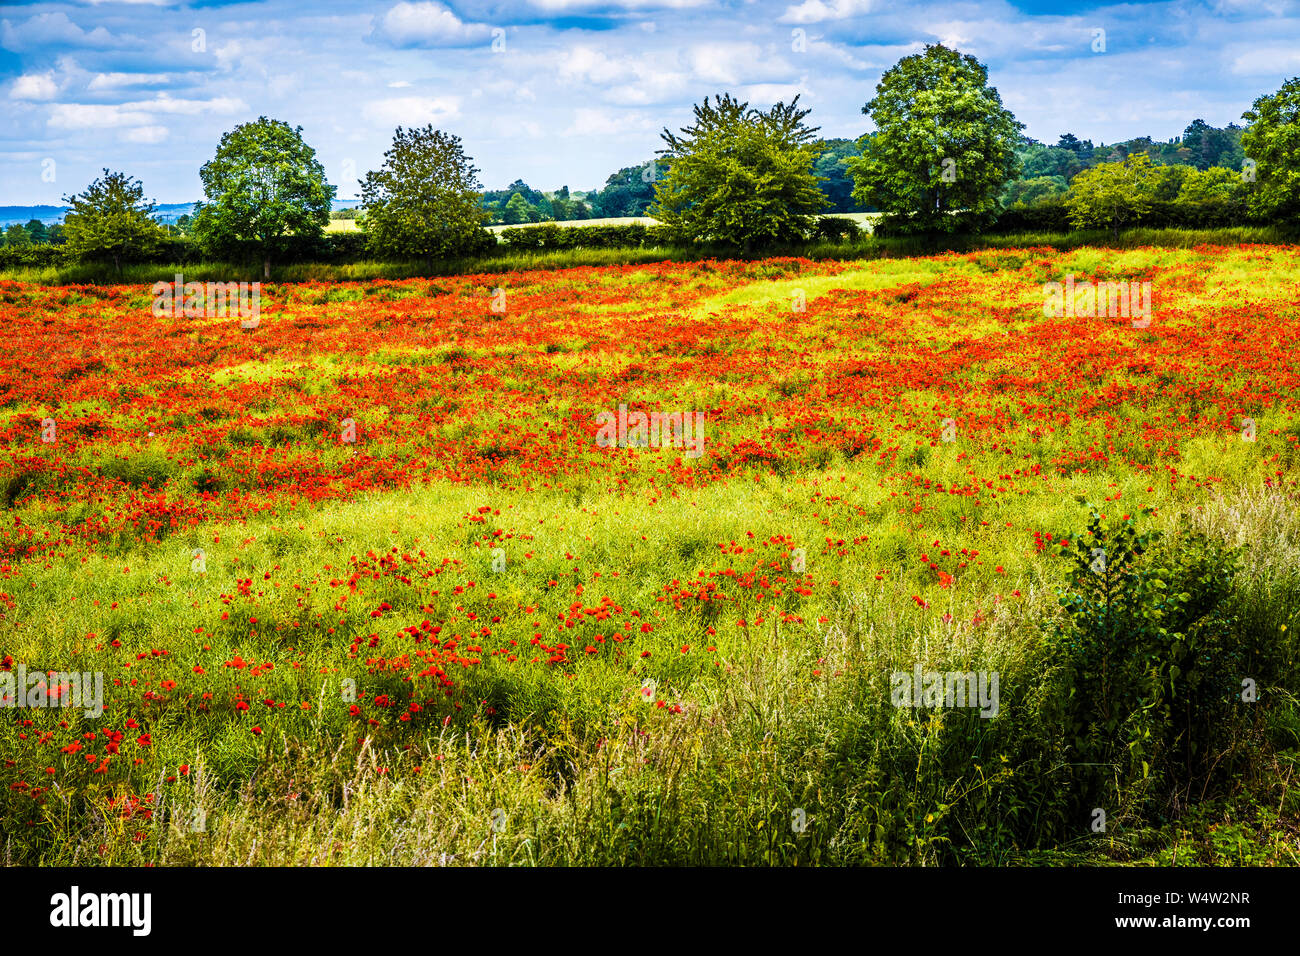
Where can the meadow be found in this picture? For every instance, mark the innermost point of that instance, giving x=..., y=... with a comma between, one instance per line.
x=366, y=588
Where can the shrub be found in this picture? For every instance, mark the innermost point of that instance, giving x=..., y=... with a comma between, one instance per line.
x=1151, y=662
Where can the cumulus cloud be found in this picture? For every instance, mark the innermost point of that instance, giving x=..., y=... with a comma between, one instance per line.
x=115, y=81
x=1269, y=61
x=412, y=110
x=427, y=24
x=558, y=6
x=47, y=30
x=589, y=121
x=145, y=134
x=141, y=113
x=817, y=11
x=34, y=86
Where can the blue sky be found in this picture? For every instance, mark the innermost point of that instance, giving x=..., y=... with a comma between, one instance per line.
x=564, y=92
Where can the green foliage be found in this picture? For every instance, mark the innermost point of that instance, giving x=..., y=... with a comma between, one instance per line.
x=1030, y=192
x=518, y=210
x=944, y=146
x=836, y=229
x=1272, y=140
x=833, y=167
x=1151, y=659
x=423, y=203
x=264, y=184
x=1215, y=184
x=628, y=192
x=1208, y=146
x=740, y=176
x=111, y=221
x=550, y=236
x=1112, y=194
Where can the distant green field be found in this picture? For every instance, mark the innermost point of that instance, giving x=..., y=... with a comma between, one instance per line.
x=864, y=219
x=570, y=223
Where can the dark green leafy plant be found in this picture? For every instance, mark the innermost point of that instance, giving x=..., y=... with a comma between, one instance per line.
x=1149, y=658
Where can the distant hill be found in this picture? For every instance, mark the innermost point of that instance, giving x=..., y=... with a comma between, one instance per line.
x=163, y=212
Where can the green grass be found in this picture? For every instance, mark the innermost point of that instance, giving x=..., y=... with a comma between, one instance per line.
x=869, y=247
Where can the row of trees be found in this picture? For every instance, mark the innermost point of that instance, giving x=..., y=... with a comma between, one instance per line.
x=34, y=233
x=941, y=159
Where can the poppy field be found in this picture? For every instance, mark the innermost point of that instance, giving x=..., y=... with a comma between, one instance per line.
x=388, y=579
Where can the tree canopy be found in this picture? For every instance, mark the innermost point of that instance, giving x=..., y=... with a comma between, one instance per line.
x=111, y=220
x=739, y=175
x=264, y=184
x=424, y=201
x=944, y=147
x=1272, y=142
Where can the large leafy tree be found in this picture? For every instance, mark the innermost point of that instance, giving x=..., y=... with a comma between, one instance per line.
x=424, y=201
x=1272, y=140
x=741, y=176
x=264, y=184
x=1113, y=194
x=944, y=146
x=111, y=220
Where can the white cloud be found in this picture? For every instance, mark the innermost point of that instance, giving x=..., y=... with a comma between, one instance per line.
x=145, y=134
x=593, y=66
x=412, y=110
x=47, y=30
x=560, y=5
x=589, y=121
x=94, y=116
x=815, y=11
x=142, y=113
x=34, y=86
x=398, y=85
x=228, y=53
x=163, y=103
x=1273, y=61
x=427, y=24
x=724, y=62
x=115, y=81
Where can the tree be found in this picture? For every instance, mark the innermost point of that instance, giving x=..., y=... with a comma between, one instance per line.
x=16, y=236
x=1071, y=142
x=1272, y=140
x=424, y=201
x=1167, y=181
x=740, y=176
x=111, y=220
x=1216, y=184
x=1112, y=194
x=832, y=167
x=944, y=147
x=264, y=184
x=628, y=192
x=37, y=232
x=1028, y=192
x=517, y=210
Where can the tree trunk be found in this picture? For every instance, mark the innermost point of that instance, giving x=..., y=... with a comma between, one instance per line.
x=266, y=269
